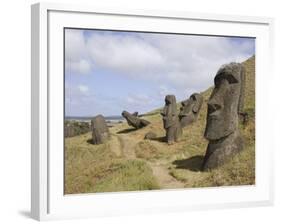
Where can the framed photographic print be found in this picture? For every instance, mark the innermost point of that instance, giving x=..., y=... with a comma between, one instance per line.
x=148, y=111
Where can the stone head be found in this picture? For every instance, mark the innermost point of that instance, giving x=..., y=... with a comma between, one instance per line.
x=198, y=100
x=170, y=99
x=223, y=104
x=170, y=106
x=194, y=101
x=125, y=114
x=129, y=117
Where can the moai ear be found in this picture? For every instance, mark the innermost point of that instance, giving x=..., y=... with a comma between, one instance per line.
x=195, y=108
x=135, y=114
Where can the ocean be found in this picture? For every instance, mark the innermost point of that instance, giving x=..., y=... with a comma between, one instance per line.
x=110, y=119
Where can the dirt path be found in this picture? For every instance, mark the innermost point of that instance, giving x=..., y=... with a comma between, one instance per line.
x=116, y=146
x=165, y=180
x=126, y=145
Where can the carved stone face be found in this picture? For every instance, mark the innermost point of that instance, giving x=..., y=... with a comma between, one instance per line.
x=125, y=114
x=193, y=104
x=170, y=99
x=222, y=117
x=132, y=120
x=190, y=109
x=169, y=112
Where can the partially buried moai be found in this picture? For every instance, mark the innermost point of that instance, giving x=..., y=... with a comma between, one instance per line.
x=134, y=121
x=171, y=120
x=224, y=106
x=100, y=131
x=190, y=109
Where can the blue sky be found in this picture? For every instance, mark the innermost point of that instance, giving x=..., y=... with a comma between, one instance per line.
x=107, y=72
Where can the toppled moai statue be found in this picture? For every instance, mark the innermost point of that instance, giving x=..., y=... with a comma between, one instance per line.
x=134, y=121
x=100, y=131
x=135, y=114
x=171, y=120
x=224, y=105
x=190, y=109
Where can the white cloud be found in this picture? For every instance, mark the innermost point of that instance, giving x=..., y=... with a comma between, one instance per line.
x=75, y=45
x=192, y=61
x=164, y=90
x=185, y=61
x=127, y=55
x=76, y=53
x=138, y=99
x=83, y=88
x=78, y=67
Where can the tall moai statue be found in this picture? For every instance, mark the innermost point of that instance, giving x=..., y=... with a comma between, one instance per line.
x=171, y=120
x=224, y=106
x=190, y=109
x=100, y=131
x=134, y=121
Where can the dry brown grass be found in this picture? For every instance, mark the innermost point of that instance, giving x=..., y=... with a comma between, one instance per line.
x=97, y=168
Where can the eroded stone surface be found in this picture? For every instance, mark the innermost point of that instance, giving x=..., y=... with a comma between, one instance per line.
x=100, y=131
x=134, y=121
x=190, y=109
x=171, y=120
x=224, y=106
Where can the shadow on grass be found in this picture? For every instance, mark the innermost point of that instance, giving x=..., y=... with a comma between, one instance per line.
x=193, y=163
x=125, y=131
x=90, y=141
x=159, y=139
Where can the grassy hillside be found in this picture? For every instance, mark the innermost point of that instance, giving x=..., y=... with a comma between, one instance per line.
x=128, y=162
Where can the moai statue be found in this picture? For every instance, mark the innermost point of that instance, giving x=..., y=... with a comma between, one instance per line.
x=135, y=114
x=190, y=109
x=223, y=116
x=171, y=120
x=100, y=131
x=134, y=121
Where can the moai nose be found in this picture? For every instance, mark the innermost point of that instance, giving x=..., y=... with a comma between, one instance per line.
x=213, y=106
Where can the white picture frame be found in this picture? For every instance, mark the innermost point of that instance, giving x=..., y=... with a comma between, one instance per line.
x=47, y=198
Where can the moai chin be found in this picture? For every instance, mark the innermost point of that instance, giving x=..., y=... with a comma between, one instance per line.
x=134, y=121
x=171, y=120
x=100, y=131
x=190, y=109
x=224, y=105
